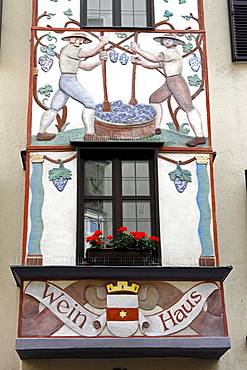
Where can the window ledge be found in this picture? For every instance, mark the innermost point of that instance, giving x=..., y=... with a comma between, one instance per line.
x=119, y=272
x=55, y=348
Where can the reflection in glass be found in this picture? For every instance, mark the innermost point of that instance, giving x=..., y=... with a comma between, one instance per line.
x=97, y=216
x=98, y=178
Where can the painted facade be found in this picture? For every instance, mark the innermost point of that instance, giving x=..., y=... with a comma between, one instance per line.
x=120, y=106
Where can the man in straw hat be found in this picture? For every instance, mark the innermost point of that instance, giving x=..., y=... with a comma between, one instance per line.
x=71, y=59
x=171, y=62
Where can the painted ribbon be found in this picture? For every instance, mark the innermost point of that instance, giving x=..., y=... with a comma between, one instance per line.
x=86, y=323
x=66, y=308
x=181, y=314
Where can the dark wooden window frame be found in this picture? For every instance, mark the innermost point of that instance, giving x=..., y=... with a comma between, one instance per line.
x=116, y=16
x=238, y=29
x=133, y=151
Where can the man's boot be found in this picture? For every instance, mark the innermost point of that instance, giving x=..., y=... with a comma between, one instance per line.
x=195, y=121
x=46, y=120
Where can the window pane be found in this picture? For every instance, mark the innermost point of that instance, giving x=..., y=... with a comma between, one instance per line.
x=127, y=5
x=97, y=216
x=98, y=178
x=142, y=169
x=140, y=20
x=136, y=216
x=127, y=19
x=145, y=226
x=128, y=186
x=106, y=4
x=93, y=4
x=106, y=16
x=142, y=186
x=139, y=5
x=94, y=19
x=128, y=168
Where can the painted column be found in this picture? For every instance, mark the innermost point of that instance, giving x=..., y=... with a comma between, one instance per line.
x=202, y=198
x=34, y=256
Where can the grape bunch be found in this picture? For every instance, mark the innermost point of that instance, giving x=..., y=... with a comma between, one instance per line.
x=195, y=63
x=45, y=63
x=125, y=113
x=113, y=56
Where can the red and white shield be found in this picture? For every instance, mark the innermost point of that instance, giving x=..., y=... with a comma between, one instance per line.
x=122, y=314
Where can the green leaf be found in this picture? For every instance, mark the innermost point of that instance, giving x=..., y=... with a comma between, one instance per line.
x=184, y=175
x=167, y=15
x=46, y=90
x=194, y=80
x=61, y=171
x=187, y=47
x=68, y=12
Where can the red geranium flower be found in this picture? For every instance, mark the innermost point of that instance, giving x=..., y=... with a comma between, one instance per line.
x=109, y=237
x=98, y=232
x=122, y=228
x=142, y=234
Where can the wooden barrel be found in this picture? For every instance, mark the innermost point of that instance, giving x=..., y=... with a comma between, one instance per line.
x=124, y=131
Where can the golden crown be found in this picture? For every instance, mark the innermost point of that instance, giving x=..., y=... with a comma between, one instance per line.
x=122, y=286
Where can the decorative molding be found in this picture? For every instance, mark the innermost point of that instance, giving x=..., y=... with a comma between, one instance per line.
x=201, y=159
x=37, y=158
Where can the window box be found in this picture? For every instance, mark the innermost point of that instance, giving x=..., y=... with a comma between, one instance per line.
x=113, y=257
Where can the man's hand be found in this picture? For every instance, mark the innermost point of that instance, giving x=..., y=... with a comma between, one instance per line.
x=103, y=40
x=103, y=55
x=134, y=46
x=135, y=59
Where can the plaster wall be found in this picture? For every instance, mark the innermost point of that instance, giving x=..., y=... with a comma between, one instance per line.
x=228, y=87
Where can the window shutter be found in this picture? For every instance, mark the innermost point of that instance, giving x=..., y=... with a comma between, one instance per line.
x=238, y=29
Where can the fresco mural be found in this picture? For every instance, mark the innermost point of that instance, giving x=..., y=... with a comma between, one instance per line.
x=119, y=100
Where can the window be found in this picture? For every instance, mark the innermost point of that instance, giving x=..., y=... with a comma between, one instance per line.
x=117, y=13
x=116, y=187
x=238, y=29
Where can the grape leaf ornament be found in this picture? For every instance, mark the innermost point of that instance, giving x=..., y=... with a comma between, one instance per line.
x=60, y=176
x=180, y=178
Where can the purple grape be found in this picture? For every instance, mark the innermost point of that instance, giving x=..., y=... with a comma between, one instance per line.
x=180, y=185
x=113, y=56
x=123, y=59
x=45, y=62
x=195, y=63
x=60, y=183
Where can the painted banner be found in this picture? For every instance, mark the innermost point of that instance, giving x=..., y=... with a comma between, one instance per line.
x=66, y=308
x=122, y=315
x=181, y=314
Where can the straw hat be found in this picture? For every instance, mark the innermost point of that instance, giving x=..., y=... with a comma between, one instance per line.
x=80, y=35
x=168, y=36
